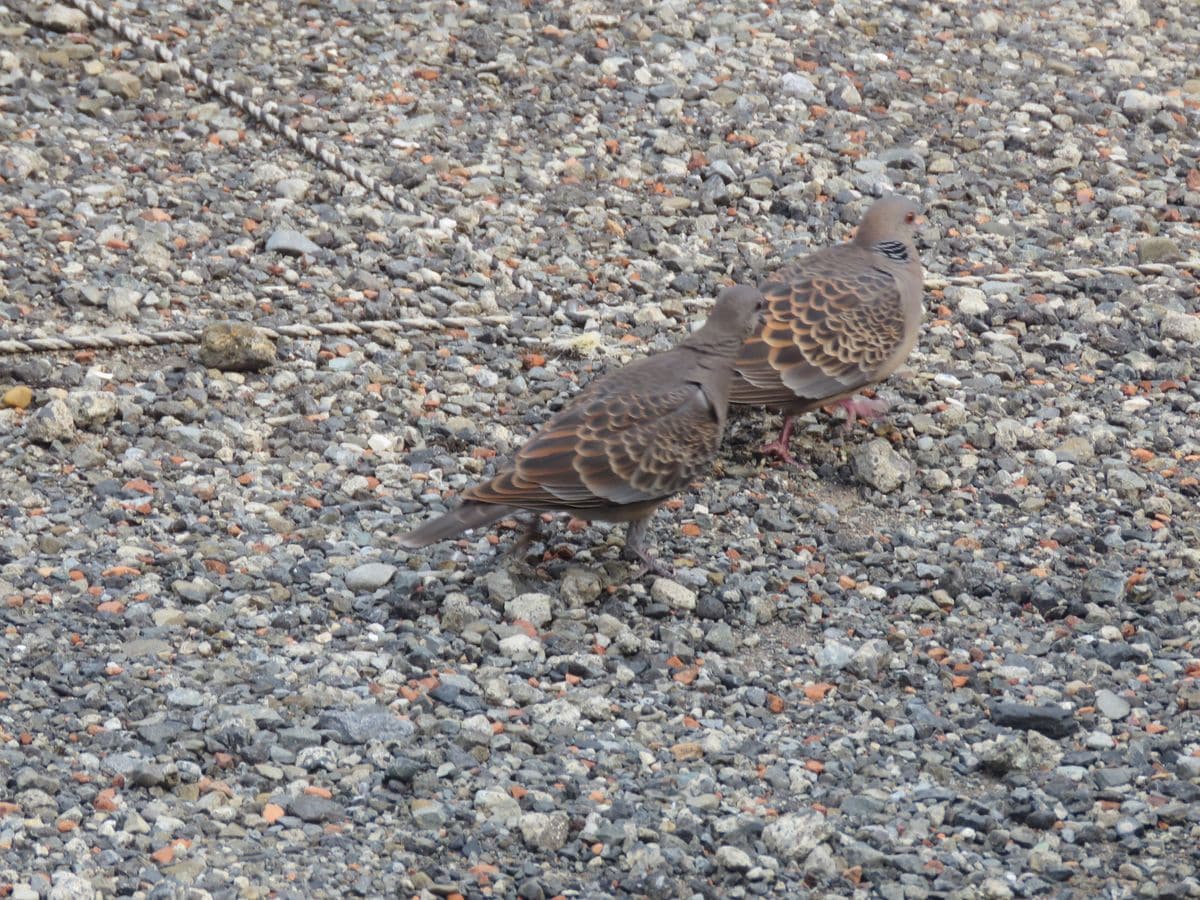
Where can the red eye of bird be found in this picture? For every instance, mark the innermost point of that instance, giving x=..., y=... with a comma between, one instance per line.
x=909, y=218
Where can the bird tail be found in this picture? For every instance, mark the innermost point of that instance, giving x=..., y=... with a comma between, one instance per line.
x=454, y=523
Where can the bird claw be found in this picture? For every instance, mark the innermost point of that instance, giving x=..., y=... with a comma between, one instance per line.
x=778, y=449
x=651, y=564
x=863, y=408
x=530, y=533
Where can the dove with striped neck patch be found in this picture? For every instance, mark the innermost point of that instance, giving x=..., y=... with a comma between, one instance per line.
x=836, y=321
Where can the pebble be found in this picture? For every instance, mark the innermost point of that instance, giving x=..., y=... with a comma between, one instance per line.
x=60, y=17
x=672, y=593
x=52, y=422
x=429, y=814
x=796, y=85
x=290, y=242
x=1111, y=706
x=1158, y=250
x=735, y=859
x=537, y=609
x=1052, y=721
x=1181, y=327
x=18, y=397
x=235, y=347
x=124, y=84
x=971, y=301
x=796, y=835
x=91, y=409
x=544, y=831
x=369, y=576
x=1139, y=103
x=878, y=465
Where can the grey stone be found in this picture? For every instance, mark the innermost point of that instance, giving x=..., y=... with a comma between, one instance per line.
x=878, y=465
x=1111, y=706
x=793, y=84
x=796, y=835
x=123, y=84
x=53, y=422
x=672, y=593
x=537, y=609
x=369, y=576
x=835, y=655
x=579, y=587
x=734, y=859
x=361, y=724
x=1114, y=777
x=1052, y=721
x=971, y=301
x=18, y=163
x=1104, y=587
x=186, y=697
x=291, y=243
x=1181, y=327
x=1125, y=481
x=545, y=831
x=1139, y=104
x=428, y=814
x=560, y=716
x=62, y=18
x=294, y=189
x=720, y=637
x=1076, y=449
x=498, y=805
x=521, y=647
x=476, y=731
x=313, y=808
x=499, y=586
x=69, y=886
x=1158, y=250
x=198, y=590
x=155, y=775
x=92, y=408
x=871, y=659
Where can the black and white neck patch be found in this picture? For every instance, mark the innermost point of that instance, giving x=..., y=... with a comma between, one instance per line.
x=892, y=250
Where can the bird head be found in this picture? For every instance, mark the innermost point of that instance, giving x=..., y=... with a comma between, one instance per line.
x=892, y=218
x=737, y=313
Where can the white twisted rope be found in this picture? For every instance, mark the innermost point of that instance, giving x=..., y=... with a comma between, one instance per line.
x=1065, y=276
x=159, y=338
x=261, y=113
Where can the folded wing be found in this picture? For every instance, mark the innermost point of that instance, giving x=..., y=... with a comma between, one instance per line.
x=612, y=448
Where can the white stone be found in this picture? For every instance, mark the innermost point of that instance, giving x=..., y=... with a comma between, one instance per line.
x=672, y=593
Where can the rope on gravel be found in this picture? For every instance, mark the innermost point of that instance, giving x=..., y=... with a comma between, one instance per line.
x=263, y=114
x=424, y=323
x=164, y=338
x=1065, y=276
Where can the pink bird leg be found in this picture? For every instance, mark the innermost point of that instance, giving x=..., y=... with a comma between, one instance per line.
x=780, y=447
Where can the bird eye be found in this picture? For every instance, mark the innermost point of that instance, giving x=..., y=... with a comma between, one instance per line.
x=909, y=218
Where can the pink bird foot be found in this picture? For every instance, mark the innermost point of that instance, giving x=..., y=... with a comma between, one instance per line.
x=862, y=408
x=780, y=448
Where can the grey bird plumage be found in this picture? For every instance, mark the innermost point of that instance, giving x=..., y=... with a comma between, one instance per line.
x=626, y=443
x=836, y=321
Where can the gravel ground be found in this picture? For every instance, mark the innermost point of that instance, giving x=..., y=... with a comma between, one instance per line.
x=956, y=657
